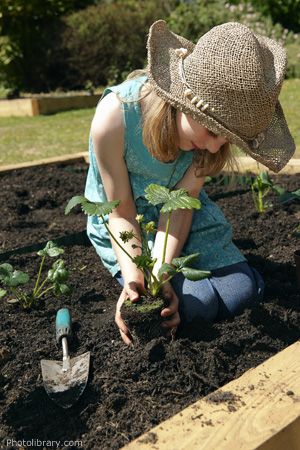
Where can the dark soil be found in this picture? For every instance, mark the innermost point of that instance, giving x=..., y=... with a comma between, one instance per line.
x=143, y=318
x=130, y=389
x=33, y=203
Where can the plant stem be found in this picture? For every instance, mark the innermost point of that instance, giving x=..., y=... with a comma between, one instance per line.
x=147, y=278
x=112, y=236
x=16, y=294
x=44, y=292
x=166, y=237
x=167, y=279
x=260, y=201
x=39, y=276
x=36, y=292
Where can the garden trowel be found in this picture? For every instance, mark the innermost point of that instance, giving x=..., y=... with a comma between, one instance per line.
x=65, y=380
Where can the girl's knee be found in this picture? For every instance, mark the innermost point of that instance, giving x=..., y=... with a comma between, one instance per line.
x=198, y=300
x=245, y=290
x=193, y=308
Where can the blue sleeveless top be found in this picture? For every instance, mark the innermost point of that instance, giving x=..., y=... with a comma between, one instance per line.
x=210, y=233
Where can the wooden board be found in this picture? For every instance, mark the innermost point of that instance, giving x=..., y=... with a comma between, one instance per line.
x=259, y=410
x=245, y=164
x=64, y=159
x=46, y=105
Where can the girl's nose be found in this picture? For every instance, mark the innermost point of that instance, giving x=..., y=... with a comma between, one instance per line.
x=216, y=143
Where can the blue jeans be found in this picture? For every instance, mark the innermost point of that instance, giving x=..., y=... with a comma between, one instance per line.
x=226, y=293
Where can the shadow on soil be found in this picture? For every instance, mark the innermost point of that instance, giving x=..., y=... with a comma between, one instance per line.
x=35, y=416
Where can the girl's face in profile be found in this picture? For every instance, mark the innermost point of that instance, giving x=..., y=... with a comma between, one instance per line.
x=192, y=135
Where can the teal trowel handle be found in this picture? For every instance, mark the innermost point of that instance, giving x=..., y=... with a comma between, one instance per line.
x=63, y=324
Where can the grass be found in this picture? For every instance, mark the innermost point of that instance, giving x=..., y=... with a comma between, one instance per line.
x=290, y=102
x=31, y=138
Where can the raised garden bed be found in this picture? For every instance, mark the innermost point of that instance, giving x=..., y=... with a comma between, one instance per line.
x=130, y=390
x=46, y=104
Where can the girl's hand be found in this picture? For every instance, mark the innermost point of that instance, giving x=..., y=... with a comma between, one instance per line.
x=132, y=291
x=171, y=311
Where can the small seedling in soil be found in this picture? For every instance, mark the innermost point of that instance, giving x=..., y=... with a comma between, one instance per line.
x=296, y=231
x=261, y=185
x=285, y=196
x=145, y=314
x=54, y=281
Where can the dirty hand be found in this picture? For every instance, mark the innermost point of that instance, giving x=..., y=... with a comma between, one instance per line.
x=171, y=311
x=131, y=291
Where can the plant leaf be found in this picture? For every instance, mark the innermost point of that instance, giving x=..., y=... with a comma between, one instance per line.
x=143, y=261
x=171, y=200
x=195, y=274
x=166, y=269
x=6, y=270
x=12, y=278
x=184, y=261
x=262, y=181
x=287, y=197
x=62, y=289
x=58, y=273
x=3, y=293
x=156, y=194
x=179, y=199
x=51, y=249
x=91, y=208
x=74, y=201
x=18, y=278
x=278, y=189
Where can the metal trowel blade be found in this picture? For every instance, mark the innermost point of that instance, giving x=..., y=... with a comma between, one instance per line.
x=65, y=387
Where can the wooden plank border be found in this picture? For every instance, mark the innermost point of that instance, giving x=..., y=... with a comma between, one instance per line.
x=46, y=105
x=64, y=159
x=245, y=163
x=259, y=410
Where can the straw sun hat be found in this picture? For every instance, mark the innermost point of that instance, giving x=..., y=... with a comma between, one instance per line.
x=229, y=82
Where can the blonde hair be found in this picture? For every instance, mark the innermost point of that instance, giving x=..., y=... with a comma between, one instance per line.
x=161, y=138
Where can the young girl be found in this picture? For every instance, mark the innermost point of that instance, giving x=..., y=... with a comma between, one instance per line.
x=173, y=125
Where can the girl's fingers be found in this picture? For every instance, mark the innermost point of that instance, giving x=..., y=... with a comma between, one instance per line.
x=124, y=332
x=125, y=337
x=121, y=300
x=133, y=291
x=133, y=295
x=173, y=322
x=172, y=308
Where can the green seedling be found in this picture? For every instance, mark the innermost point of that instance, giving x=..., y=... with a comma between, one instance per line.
x=55, y=280
x=285, y=196
x=232, y=180
x=170, y=200
x=296, y=231
x=261, y=185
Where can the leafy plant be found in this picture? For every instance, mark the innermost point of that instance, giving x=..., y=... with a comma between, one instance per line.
x=261, y=185
x=55, y=280
x=171, y=200
x=286, y=196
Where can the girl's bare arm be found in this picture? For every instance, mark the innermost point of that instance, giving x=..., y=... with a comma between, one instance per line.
x=107, y=132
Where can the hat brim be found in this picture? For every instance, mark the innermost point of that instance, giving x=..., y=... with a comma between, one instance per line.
x=163, y=63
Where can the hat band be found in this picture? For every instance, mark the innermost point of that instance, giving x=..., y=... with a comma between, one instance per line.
x=189, y=93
